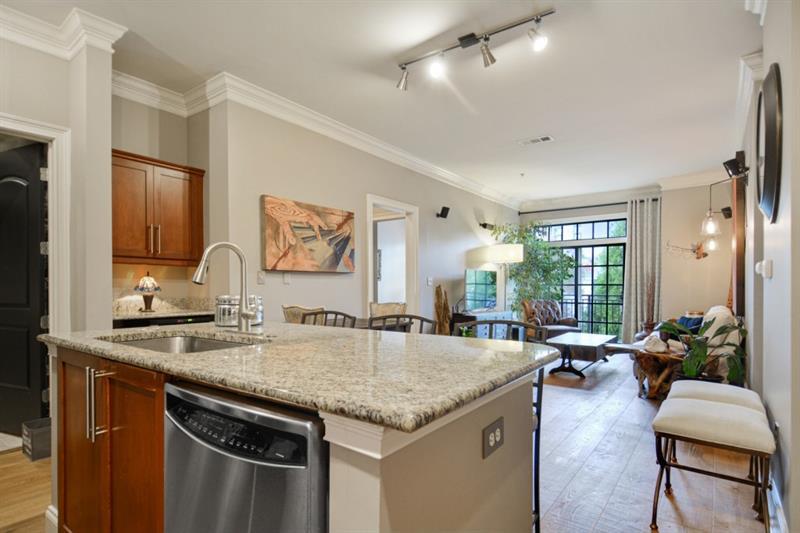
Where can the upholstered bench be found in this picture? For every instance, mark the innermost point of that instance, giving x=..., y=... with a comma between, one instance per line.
x=720, y=416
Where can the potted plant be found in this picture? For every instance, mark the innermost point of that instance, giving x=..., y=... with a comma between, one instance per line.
x=544, y=268
x=703, y=355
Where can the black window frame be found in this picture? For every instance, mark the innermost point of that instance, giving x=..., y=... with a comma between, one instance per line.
x=489, y=303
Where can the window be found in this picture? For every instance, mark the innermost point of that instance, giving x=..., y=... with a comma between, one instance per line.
x=593, y=293
x=481, y=289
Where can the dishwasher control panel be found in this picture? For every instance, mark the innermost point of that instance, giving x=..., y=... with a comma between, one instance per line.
x=239, y=437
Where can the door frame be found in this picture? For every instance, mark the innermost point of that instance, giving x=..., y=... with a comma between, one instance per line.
x=58, y=210
x=412, y=249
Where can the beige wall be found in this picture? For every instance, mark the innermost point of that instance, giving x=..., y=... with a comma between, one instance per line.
x=688, y=283
x=148, y=131
x=269, y=156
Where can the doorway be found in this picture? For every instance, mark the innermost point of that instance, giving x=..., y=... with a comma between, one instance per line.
x=392, y=241
x=23, y=281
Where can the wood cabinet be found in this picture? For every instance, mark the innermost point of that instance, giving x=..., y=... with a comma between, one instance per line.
x=110, y=446
x=157, y=211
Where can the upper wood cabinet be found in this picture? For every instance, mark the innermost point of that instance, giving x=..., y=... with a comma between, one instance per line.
x=157, y=211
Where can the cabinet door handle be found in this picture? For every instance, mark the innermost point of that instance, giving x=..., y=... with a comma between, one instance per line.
x=89, y=386
x=151, y=249
x=93, y=430
x=159, y=239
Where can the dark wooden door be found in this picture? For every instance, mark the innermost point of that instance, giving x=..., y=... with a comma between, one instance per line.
x=135, y=403
x=81, y=505
x=133, y=231
x=23, y=296
x=173, y=214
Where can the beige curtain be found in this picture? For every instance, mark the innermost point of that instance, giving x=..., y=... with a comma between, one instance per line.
x=642, y=292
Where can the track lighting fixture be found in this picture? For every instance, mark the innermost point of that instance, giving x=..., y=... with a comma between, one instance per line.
x=437, y=67
x=538, y=39
x=488, y=58
x=403, y=83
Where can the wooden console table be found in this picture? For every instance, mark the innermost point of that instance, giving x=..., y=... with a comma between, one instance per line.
x=659, y=369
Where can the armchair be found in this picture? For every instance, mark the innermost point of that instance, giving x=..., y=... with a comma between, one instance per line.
x=545, y=317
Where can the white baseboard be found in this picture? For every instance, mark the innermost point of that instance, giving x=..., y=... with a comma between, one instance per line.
x=51, y=520
x=777, y=518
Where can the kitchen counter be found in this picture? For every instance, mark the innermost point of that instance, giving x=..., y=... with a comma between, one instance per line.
x=396, y=380
x=136, y=315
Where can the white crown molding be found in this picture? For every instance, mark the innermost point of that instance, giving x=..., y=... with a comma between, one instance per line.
x=582, y=200
x=695, y=179
x=751, y=74
x=757, y=7
x=225, y=86
x=78, y=29
x=147, y=93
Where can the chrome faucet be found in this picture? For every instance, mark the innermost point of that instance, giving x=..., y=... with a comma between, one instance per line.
x=246, y=314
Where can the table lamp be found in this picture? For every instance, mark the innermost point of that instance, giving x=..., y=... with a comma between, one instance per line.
x=148, y=287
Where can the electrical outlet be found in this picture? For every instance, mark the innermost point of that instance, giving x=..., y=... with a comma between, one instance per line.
x=493, y=437
x=261, y=277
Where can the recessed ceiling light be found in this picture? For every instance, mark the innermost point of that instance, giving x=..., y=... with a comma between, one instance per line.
x=536, y=140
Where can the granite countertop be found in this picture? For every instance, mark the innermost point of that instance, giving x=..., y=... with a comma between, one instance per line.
x=399, y=380
x=129, y=307
x=130, y=315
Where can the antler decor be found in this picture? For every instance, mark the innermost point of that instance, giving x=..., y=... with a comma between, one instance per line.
x=695, y=249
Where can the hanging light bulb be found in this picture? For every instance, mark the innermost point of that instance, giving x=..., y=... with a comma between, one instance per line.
x=437, y=68
x=488, y=58
x=403, y=83
x=538, y=39
x=711, y=244
x=710, y=226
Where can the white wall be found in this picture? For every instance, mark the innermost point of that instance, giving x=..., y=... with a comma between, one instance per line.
x=391, y=241
x=266, y=155
x=148, y=131
x=688, y=283
x=780, y=324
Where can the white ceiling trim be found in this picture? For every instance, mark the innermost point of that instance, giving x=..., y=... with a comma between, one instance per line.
x=78, y=29
x=695, y=179
x=751, y=73
x=225, y=86
x=149, y=94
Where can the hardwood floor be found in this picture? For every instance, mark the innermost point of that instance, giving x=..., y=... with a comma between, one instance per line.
x=598, y=464
x=24, y=493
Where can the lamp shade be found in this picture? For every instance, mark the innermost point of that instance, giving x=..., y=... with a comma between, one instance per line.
x=147, y=284
x=498, y=254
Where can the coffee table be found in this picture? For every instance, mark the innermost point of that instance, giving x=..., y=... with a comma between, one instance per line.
x=570, y=343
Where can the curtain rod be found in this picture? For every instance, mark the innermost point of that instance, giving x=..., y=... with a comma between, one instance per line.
x=582, y=207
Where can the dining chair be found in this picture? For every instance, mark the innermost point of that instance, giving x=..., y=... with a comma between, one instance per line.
x=401, y=322
x=293, y=314
x=329, y=318
x=387, y=308
x=503, y=329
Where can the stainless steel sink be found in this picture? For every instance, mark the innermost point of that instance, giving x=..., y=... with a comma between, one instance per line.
x=182, y=344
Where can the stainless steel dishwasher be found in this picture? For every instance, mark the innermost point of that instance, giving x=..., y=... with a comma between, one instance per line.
x=235, y=466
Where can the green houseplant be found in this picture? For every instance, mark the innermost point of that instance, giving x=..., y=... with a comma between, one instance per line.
x=702, y=355
x=544, y=268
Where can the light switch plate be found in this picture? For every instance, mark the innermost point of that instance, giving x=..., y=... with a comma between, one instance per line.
x=261, y=277
x=494, y=435
x=430, y=281
x=287, y=278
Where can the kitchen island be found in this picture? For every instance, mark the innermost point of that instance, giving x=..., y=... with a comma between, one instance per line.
x=404, y=414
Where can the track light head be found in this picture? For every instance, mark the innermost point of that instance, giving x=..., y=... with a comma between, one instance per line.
x=403, y=83
x=538, y=39
x=437, y=68
x=488, y=58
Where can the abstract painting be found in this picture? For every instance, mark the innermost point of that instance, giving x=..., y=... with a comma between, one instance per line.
x=300, y=237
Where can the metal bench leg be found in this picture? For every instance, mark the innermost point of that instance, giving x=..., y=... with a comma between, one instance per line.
x=757, y=496
x=751, y=474
x=764, y=498
x=670, y=450
x=661, y=464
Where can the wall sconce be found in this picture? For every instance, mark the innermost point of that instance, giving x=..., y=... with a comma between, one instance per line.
x=487, y=225
x=443, y=212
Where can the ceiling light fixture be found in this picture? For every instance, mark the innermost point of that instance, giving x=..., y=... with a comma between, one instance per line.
x=403, y=83
x=538, y=39
x=488, y=57
x=437, y=67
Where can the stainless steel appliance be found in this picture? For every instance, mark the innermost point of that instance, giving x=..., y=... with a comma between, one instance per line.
x=235, y=465
x=227, y=310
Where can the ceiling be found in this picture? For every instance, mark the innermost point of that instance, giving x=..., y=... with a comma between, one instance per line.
x=632, y=92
